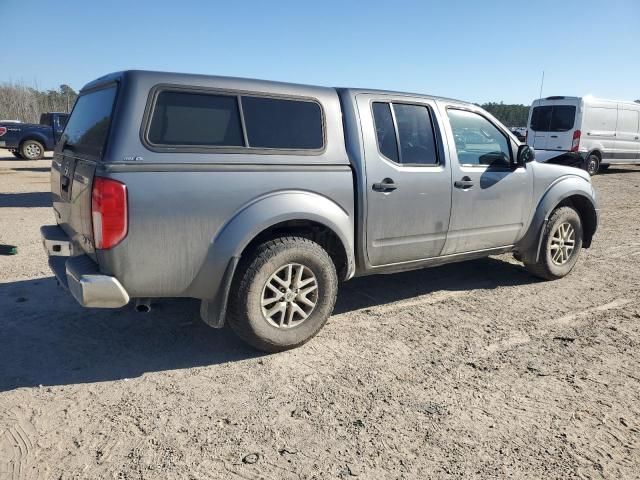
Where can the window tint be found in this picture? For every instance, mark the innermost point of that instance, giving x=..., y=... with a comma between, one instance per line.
x=478, y=141
x=87, y=128
x=415, y=132
x=184, y=118
x=286, y=124
x=385, y=131
x=556, y=118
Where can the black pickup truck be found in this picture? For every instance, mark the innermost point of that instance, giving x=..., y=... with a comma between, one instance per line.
x=30, y=140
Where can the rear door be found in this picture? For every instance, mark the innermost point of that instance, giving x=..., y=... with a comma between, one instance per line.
x=82, y=146
x=408, y=181
x=552, y=126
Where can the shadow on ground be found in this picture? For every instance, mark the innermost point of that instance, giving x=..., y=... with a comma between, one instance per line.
x=32, y=169
x=50, y=340
x=25, y=199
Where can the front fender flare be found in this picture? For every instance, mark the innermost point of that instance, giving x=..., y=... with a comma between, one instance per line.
x=563, y=188
x=214, y=278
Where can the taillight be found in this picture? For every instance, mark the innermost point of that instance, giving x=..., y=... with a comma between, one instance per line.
x=575, y=143
x=3, y=130
x=108, y=212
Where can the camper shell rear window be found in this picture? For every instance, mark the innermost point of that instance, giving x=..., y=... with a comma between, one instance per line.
x=553, y=118
x=88, y=126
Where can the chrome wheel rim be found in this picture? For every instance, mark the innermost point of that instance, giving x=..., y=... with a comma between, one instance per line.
x=563, y=241
x=289, y=296
x=32, y=150
x=593, y=165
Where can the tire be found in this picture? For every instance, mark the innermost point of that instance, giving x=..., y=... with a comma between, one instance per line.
x=592, y=165
x=16, y=154
x=549, y=265
x=254, y=283
x=31, y=150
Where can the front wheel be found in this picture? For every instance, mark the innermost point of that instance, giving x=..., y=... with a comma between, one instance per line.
x=561, y=245
x=282, y=294
x=32, y=150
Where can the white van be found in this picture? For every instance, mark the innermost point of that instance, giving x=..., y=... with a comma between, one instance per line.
x=603, y=132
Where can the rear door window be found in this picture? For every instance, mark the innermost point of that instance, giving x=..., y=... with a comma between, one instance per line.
x=282, y=123
x=415, y=134
x=87, y=128
x=385, y=131
x=553, y=118
x=405, y=133
x=196, y=119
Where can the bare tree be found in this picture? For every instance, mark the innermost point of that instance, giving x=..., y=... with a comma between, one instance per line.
x=20, y=102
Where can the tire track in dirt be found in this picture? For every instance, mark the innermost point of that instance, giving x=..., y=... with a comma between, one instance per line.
x=16, y=447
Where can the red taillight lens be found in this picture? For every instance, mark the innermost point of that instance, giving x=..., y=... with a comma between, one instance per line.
x=575, y=143
x=108, y=212
x=3, y=130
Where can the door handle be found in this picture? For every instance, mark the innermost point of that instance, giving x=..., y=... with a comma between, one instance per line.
x=387, y=185
x=554, y=136
x=465, y=183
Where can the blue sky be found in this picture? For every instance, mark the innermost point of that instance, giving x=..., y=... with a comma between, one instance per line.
x=472, y=50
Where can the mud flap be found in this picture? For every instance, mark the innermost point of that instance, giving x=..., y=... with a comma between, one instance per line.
x=213, y=312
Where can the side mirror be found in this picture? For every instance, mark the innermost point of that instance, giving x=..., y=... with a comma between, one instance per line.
x=526, y=154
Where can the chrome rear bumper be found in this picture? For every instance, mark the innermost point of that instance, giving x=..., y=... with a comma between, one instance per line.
x=80, y=274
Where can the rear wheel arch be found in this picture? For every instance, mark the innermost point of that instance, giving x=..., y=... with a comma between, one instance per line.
x=313, y=230
x=284, y=213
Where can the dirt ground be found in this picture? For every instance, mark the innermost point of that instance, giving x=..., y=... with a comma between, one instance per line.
x=474, y=370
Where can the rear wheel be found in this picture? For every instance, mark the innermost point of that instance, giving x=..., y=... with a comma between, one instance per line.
x=31, y=150
x=593, y=164
x=283, y=293
x=561, y=245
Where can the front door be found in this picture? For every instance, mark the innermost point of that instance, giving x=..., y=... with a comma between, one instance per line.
x=408, y=182
x=491, y=199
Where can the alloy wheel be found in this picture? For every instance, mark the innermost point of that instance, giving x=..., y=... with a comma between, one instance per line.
x=562, y=244
x=289, y=296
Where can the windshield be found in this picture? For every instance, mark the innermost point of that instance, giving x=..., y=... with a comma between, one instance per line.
x=87, y=128
x=553, y=118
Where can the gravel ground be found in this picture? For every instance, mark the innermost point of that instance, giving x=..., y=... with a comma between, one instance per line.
x=475, y=370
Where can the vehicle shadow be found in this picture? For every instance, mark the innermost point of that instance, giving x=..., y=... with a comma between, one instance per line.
x=50, y=340
x=487, y=273
x=619, y=169
x=25, y=199
x=32, y=169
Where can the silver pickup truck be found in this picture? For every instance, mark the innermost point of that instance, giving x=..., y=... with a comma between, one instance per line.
x=258, y=197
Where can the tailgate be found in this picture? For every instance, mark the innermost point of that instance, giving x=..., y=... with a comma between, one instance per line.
x=81, y=148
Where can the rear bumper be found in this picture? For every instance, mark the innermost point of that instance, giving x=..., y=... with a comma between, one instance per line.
x=80, y=274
